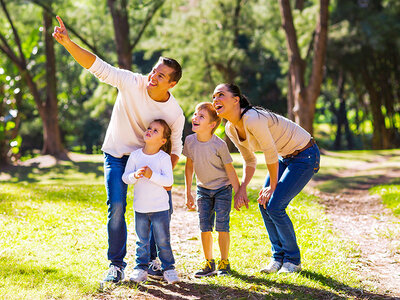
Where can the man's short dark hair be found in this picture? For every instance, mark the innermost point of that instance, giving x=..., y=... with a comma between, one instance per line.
x=173, y=64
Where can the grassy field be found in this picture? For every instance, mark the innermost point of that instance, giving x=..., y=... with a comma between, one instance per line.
x=53, y=238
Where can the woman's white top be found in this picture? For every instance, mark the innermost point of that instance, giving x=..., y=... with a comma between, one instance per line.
x=270, y=133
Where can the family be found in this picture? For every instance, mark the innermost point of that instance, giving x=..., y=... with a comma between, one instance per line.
x=143, y=143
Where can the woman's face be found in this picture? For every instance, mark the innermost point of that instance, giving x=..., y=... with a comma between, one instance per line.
x=223, y=101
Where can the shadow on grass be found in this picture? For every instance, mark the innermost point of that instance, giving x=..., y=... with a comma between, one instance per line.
x=335, y=185
x=260, y=288
x=33, y=173
x=342, y=291
x=364, y=155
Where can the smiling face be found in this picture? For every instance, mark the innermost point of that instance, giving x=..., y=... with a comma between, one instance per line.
x=154, y=135
x=201, y=122
x=224, y=102
x=159, y=79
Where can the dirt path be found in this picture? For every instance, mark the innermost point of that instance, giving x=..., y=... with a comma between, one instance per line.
x=364, y=221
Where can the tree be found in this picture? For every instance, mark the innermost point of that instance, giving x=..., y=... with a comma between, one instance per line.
x=120, y=15
x=302, y=95
x=364, y=45
x=46, y=101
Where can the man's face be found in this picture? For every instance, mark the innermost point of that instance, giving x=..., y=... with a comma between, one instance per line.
x=159, y=78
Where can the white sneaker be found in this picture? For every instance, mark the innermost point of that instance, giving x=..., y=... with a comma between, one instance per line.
x=289, y=267
x=273, y=267
x=154, y=270
x=171, y=276
x=139, y=275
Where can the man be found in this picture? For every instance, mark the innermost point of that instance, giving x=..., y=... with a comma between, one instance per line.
x=140, y=100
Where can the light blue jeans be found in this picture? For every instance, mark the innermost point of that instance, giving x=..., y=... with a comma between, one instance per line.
x=116, y=201
x=294, y=174
x=158, y=222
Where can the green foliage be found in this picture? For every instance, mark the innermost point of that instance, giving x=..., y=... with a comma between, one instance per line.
x=363, y=45
x=214, y=45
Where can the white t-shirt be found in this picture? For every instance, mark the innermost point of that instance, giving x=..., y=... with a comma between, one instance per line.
x=134, y=110
x=149, y=195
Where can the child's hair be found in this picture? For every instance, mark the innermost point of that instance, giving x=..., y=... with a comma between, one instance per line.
x=211, y=112
x=167, y=147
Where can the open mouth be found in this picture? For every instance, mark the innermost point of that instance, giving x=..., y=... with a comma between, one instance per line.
x=151, y=83
x=195, y=123
x=218, y=107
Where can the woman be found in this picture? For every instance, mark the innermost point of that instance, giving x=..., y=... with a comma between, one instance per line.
x=255, y=129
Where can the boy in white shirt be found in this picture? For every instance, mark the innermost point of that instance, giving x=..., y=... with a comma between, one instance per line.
x=208, y=156
x=140, y=100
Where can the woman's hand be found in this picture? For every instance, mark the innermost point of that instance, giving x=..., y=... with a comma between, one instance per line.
x=241, y=198
x=264, y=195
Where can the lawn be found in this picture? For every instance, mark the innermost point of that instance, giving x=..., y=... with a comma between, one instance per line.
x=53, y=240
x=390, y=194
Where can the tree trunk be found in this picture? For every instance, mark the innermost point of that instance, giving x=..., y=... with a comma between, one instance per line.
x=119, y=13
x=305, y=97
x=380, y=136
x=290, y=101
x=49, y=111
x=125, y=44
x=337, y=145
x=341, y=116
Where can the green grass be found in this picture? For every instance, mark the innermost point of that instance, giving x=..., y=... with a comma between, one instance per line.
x=390, y=194
x=53, y=240
x=336, y=162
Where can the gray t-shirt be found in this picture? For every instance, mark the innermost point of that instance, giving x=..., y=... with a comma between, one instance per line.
x=208, y=159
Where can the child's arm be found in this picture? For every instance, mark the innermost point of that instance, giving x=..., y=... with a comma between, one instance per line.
x=233, y=178
x=189, y=170
x=165, y=177
x=129, y=176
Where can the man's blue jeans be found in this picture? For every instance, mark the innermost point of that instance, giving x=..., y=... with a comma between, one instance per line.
x=294, y=174
x=116, y=201
x=159, y=223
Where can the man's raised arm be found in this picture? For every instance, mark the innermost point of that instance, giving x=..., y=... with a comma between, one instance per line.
x=82, y=56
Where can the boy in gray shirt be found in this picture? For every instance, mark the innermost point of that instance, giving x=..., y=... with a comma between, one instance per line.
x=208, y=157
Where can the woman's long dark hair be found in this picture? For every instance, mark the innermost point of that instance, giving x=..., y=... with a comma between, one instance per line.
x=245, y=103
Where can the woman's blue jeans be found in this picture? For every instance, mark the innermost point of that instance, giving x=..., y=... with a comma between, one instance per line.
x=294, y=174
x=116, y=201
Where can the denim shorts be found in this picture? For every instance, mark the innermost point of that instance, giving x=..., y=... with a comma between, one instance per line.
x=214, y=206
